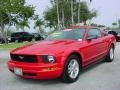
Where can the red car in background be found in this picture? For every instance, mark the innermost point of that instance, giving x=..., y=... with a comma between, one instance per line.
x=63, y=54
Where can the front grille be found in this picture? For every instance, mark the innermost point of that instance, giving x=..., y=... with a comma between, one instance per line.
x=24, y=58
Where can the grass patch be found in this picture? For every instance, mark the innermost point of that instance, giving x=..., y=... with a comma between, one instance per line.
x=13, y=45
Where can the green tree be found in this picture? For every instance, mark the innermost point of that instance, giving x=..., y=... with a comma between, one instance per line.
x=65, y=11
x=38, y=24
x=23, y=24
x=13, y=12
x=67, y=16
x=50, y=16
x=85, y=13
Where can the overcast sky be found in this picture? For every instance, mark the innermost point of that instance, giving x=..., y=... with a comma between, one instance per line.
x=108, y=10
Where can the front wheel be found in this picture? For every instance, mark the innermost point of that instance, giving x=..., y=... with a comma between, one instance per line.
x=110, y=55
x=0, y=41
x=71, y=70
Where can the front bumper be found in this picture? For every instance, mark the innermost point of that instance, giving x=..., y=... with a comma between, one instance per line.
x=37, y=71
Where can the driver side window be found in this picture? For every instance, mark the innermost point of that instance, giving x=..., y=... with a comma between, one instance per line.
x=94, y=32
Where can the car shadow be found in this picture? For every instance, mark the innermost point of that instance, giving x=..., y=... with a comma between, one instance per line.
x=55, y=81
x=91, y=67
x=37, y=81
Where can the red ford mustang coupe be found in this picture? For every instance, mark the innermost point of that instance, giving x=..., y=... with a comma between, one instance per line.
x=63, y=54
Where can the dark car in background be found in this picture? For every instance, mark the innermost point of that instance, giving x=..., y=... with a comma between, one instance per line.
x=21, y=36
x=37, y=36
x=116, y=33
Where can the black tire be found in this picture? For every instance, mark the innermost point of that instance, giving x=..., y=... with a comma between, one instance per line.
x=65, y=76
x=110, y=58
x=33, y=39
x=29, y=39
x=117, y=40
x=20, y=41
x=1, y=41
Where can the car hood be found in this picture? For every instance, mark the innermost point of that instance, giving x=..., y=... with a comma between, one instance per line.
x=45, y=47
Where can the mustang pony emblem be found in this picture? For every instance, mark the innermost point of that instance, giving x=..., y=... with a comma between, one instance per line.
x=21, y=57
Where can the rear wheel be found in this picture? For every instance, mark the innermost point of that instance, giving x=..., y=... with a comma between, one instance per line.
x=0, y=41
x=71, y=70
x=33, y=39
x=110, y=55
x=19, y=41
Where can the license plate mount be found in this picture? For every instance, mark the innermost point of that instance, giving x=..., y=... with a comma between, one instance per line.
x=18, y=71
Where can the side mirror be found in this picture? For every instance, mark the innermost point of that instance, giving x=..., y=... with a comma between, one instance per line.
x=91, y=37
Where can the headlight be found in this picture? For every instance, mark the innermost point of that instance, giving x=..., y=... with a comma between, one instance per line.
x=48, y=59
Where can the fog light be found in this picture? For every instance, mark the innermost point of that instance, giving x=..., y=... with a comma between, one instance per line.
x=50, y=69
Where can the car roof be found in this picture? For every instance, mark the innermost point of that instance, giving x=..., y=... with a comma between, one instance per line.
x=76, y=27
x=114, y=31
x=35, y=33
x=117, y=30
x=19, y=32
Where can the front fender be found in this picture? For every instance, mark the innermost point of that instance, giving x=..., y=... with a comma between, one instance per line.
x=69, y=52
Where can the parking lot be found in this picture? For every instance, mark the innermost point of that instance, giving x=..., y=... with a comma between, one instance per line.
x=102, y=76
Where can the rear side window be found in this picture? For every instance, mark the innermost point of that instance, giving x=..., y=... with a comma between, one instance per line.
x=16, y=34
x=94, y=32
x=26, y=34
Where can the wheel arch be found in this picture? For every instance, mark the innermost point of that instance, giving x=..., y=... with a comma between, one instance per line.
x=109, y=46
x=77, y=54
x=113, y=45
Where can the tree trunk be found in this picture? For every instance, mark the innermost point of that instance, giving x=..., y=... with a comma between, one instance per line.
x=57, y=4
x=85, y=23
x=72, y=13
x=79, y=13
x=63, y=18
x=23, y=29
x=2, y=31
x=2, y=27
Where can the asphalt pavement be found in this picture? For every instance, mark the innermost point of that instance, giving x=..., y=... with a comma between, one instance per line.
x=102, y=76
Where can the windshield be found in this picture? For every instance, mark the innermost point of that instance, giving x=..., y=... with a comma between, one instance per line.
x=73, y=34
